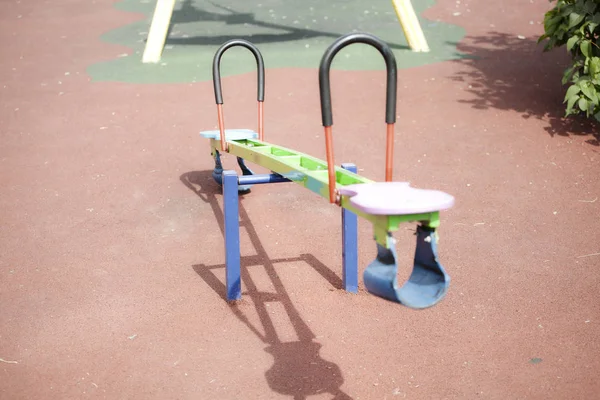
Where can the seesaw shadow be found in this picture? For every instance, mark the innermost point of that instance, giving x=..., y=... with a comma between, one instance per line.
x=298, y=369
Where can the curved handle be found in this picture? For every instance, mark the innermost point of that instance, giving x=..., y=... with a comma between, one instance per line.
x=390, y=101
x=217, y=67
x=217, y=83
x=390, y=63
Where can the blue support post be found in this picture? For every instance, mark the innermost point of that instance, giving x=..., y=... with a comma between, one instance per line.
x=232, y=235
x=349, y=244
x=261, y=179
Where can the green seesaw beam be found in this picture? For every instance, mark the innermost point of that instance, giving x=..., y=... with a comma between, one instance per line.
x=311, y=173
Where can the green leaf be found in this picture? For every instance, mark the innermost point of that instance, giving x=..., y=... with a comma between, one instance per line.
x=584, y=78
x=572, y=91
x=568, y=74
x=563, y=33
x=592, y=27
x=571, y=103
x=575, y=19
x=594, y=66
x=571, y=42
x=589, y=91
x=586, y=69
x=567, y=10
x=550, y=24
x=585, y=88
x=583, y=104
x=597, y=116
x=586, y=48
x=590, y=6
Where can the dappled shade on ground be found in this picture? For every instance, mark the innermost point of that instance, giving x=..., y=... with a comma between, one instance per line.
x=512, y=73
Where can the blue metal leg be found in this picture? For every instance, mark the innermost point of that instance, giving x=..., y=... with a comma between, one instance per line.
x=349, y=245
x=246, y=172
x=232, y=235
x=262, y=178
x=217, y=173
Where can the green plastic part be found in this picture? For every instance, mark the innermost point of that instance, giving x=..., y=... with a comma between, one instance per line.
x=311, y=173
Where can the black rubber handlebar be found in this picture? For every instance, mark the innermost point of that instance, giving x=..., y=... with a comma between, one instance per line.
x=217, y=68
x=390, y=62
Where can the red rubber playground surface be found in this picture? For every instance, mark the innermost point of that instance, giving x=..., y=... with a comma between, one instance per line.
x=111, y=244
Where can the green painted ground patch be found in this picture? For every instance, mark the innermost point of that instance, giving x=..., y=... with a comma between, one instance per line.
x=288, y=33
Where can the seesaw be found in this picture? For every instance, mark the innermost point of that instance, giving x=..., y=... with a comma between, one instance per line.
x=385, y=204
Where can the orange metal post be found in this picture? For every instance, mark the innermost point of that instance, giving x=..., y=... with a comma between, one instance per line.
x=330, y=163
x=389, y=153
x=221, y=127
x=261, y=135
